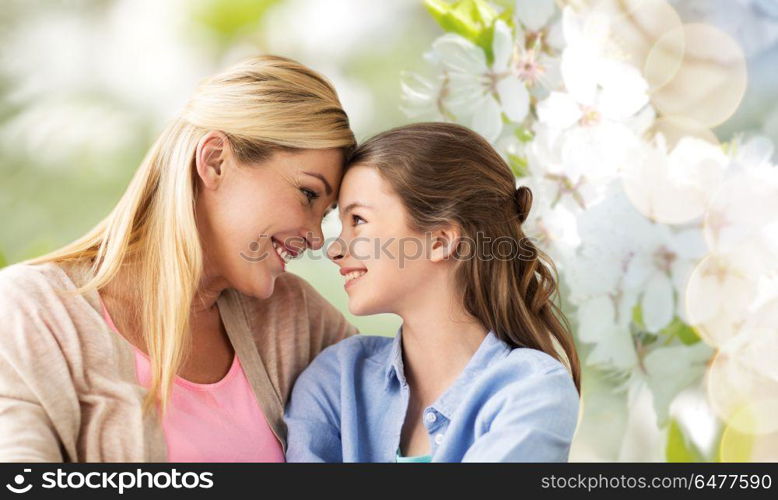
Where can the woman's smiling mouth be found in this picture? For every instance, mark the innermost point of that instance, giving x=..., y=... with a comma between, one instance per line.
x=284, y=253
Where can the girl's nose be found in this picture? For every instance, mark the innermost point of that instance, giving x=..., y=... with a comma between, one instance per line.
x=336, y=250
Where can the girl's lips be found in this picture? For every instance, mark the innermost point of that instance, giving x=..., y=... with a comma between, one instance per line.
x=350, y=282
x=345, y=271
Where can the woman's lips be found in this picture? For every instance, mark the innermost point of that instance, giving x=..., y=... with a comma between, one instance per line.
x=283, y=264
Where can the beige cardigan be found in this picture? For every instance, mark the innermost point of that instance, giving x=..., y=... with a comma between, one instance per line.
x=68, y=388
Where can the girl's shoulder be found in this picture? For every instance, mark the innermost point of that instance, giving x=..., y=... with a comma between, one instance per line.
x=528, y=361
x=527, y=374
x=351, y=357
x=337, y=367
x=359, y=347
x=510, y=375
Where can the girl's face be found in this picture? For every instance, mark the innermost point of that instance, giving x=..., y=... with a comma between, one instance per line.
x=247, y=212
x=384, y=262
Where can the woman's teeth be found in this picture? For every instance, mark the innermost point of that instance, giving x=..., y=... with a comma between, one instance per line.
x=281, y=251
x=354, y=274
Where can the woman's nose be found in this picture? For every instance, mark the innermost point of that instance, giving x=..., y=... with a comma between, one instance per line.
x=314, y=237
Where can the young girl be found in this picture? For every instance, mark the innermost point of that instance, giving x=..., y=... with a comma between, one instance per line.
x=432, y=232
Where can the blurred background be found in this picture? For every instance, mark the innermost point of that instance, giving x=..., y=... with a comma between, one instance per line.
x=86, y=86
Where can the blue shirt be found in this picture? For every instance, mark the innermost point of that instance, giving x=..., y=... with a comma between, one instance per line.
x=507, y=405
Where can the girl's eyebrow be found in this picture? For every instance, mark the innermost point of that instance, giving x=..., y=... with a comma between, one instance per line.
x=327, y=186
x=353, y=205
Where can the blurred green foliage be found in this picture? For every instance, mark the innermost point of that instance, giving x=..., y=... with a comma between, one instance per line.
x=471, y=19
x=679, y=447
x=229, y=20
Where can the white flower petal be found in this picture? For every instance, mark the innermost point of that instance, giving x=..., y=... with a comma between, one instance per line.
x=624, y=90
x=681, y=270
x=658, y=303
x=419, y=95
x=556, y=36
x=616, y=350
x=534, y=14
x=460, y=54
x=689, y=243
x=595, y=318
x=502, y=46
x=579, y=73
x=572, y=26
x=487, y=120
x=670, y=369
x=465, y=95
x=514, y=98
x=756, y=152
x=559, y=110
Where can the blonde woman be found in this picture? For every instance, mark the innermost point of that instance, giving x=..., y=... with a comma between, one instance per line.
x=170, y=331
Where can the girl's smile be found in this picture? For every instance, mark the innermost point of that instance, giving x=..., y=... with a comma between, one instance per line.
x=352, y=275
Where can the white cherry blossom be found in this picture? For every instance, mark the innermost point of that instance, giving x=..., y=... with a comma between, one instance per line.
x=478, y=94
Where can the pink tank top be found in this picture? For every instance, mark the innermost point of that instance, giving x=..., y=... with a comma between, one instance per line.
x=219, y=422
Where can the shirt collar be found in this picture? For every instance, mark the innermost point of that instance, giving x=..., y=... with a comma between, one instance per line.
x=490, y=351
x=394, y=365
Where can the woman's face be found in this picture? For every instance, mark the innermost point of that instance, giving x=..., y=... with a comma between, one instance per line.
x=383, y=261
x=247, y=213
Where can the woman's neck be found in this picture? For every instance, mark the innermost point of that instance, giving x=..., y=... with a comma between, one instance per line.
x=123, y=292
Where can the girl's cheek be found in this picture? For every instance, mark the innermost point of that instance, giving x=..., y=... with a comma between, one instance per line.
x=361, y=251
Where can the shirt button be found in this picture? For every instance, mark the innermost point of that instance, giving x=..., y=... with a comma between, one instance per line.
x=430, y=417
x=438, y=438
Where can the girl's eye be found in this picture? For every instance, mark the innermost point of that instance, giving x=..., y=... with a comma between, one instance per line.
x=355, y=220
x=311, y=195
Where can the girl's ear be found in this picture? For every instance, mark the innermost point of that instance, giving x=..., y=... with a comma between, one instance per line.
x=210, y=157
x=444, y=243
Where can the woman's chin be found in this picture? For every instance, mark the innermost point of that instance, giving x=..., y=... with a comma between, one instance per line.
x=262, y=288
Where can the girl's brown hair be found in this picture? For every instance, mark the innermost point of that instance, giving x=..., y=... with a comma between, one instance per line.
x=445, y=173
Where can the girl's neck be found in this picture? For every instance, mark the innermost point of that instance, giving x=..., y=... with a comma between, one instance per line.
x=438, y=341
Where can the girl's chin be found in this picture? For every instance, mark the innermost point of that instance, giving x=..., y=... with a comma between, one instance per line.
x=360, y=309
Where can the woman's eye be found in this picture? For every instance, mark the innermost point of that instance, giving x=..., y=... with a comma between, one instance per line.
x=311, y=195
x=355, y=220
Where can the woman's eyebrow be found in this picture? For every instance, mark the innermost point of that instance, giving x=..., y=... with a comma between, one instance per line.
x=327, y=186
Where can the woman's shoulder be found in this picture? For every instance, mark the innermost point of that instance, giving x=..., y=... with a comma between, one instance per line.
x=44, y=298
x=24, y=283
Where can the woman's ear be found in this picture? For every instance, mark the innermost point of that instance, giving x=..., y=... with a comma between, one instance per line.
x=444, y=243
x=210, y=157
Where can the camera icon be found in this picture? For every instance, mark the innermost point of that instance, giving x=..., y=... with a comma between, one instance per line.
x=19, y=481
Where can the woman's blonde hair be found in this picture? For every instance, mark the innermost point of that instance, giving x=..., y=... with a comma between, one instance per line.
x=262, y=104
x=445, y=173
